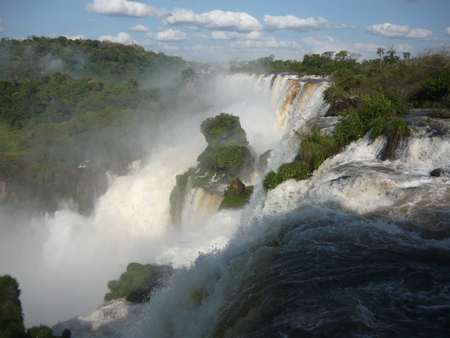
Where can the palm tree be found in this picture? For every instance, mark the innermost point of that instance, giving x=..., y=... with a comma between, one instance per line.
x=406, y=55
x=380, y=52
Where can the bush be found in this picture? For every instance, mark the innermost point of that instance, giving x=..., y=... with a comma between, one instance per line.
x=223, y=130
x=136, y=284
x=11, y=318
x=233, y=201
x=41, y=331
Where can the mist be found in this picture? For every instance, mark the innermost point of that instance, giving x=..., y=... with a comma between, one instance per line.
x=64, y=261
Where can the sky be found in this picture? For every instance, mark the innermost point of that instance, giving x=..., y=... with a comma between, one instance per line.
x=224, y=30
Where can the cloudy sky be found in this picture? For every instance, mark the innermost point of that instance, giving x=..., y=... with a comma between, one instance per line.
x=221, y=30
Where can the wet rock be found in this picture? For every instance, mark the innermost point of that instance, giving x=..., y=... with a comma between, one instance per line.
x=438, y=172
x=236, y=187
x=338, y=107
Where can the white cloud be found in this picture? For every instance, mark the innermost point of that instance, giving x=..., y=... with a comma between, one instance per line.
x=124, y=8
x=139, y=28
x=227, y=35
x=216, y=19
x=201, y=36
x=168, y=35
x=123, y=38
x=170, y=48
x=390, y=30
x=270, y=43
x=446, y=31
x=319, y=41
x=294, y=23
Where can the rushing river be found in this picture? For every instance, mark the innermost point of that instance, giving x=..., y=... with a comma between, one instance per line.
x=360, y=249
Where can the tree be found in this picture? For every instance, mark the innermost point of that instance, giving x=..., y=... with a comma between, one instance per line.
x=406, y=55
x=380, y=52
x=341, y=56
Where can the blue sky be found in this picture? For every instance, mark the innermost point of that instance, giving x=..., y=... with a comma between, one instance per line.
x=219, y=30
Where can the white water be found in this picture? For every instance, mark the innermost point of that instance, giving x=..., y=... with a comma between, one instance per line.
x=63, y=263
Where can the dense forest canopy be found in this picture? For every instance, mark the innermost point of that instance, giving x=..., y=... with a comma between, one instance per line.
x=103, y=60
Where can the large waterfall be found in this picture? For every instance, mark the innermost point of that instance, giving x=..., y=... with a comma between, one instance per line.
x=361, y=248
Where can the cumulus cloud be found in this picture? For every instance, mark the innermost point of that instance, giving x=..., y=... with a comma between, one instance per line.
x=227, y=35
x=300, y=25
x=168, y=35
x=390, y=30
x=270, y=43
x=124, y=8
x=294, y=23
x=446, y=31
x=201, y=36
x=123, y=38
x=139, y=28
x=319, y=41
x=170, y=48
x=216, y=19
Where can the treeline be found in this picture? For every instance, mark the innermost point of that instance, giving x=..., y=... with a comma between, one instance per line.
x=106, y=61
x=422, y=81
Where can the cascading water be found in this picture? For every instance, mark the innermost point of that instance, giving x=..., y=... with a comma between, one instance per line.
x=360, y=249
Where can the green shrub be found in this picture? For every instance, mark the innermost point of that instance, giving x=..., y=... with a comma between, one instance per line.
x=136, y=284
x=11, y=317
x=41, y=331
x=232, y=160
x=223, y=130
x=233, y=201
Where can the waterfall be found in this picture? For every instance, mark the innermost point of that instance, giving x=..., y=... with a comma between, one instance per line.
x=361, y=248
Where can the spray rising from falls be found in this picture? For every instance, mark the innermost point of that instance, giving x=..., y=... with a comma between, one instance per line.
x=360, y=249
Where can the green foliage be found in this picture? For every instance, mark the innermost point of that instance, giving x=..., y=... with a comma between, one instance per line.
x=223, y=130
x=106, y=61
x=350, y=128
x=136, y=284
x=233, y=201
x=130, y=282
x=11, y=318
x=315, y=148
x=41, y=331
x=233, y=160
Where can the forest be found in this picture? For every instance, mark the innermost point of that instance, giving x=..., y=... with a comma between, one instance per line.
x=65, y=106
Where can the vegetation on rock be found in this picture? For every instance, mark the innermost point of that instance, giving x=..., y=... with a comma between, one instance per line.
x=137, y=283
x=226, y=157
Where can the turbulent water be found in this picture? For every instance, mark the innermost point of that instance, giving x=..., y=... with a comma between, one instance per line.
x=361, y=249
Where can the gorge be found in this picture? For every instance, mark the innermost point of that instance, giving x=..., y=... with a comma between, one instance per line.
x=361, y=246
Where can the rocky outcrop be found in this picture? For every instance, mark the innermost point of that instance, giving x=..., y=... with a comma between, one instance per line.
x=438, y=172
x=226, y=157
